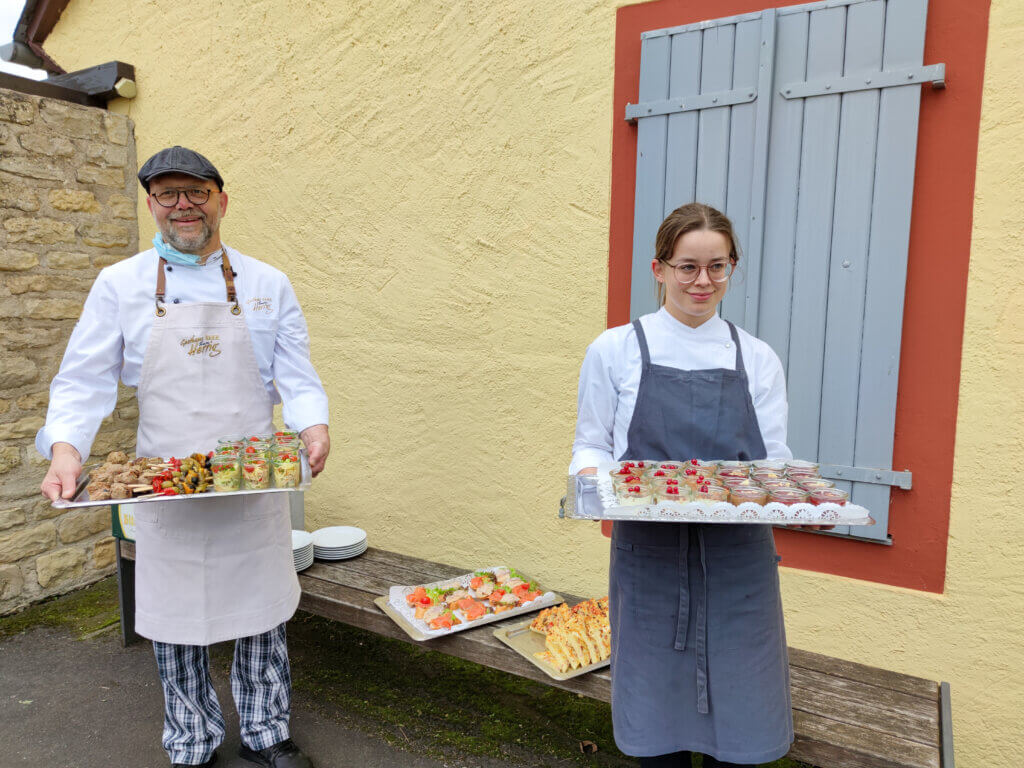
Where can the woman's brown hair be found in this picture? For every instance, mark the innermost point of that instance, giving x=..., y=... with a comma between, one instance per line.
x=687, y=218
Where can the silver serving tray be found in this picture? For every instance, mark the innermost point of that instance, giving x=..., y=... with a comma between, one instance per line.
x=410, y=625
x=590, y=497
x=81, y=497
x=524, y=641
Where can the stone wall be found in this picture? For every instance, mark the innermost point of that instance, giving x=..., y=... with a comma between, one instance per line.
x=68, y=199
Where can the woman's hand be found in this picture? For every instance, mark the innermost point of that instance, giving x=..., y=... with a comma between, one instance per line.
x=318, y=446
x=62, y=476
x=588, y=471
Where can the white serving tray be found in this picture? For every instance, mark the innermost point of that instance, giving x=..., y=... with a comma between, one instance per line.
x=81, y=497
x=592, y=497
x=396, y=607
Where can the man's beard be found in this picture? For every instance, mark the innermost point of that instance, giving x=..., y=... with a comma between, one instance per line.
x=185, y=244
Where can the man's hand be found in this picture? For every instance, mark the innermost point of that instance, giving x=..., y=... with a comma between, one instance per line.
x=62, y=476
x=318, y=445
x=588, y=471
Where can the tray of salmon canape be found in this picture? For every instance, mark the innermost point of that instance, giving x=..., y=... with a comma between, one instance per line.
x=144, y=479
x=440, y=608
x=770, y=492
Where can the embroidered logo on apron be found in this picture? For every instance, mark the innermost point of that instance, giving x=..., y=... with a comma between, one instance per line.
x=208, y=345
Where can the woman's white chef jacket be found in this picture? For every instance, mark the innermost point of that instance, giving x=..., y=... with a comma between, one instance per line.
x=610, y=376
x=111, y=336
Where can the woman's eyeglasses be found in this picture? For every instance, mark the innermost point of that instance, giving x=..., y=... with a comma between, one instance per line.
x=718, y=271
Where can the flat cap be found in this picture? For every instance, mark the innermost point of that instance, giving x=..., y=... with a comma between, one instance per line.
x=178, y=160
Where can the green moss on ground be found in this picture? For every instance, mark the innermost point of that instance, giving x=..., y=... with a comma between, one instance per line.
x=443, y=706
x=81, y=613
x=412, y=698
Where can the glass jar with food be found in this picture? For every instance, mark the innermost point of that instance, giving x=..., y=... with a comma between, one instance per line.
x=739, y=482
x=810, y=483
x=798, y=465
x=779, y=482
x=227, y=473
x=261, y=450
x=829, y=496
x=669, y=466
x=740, y=472
x=677, y=493
x=235, y=441
x=779, y=465
x=256, y=472
x=709, y=492
x=287, y=470
x=645, y=466
x=661, y=473
x=748, y=494
x=741, y=465
x=622, y=472
x=787, y=496
x=768, y=474
x=634, y=494
x=618, y=480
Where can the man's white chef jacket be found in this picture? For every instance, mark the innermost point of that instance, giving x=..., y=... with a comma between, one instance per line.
x=111, y=336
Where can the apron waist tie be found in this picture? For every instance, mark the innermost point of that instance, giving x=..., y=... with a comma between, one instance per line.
x=682, y=622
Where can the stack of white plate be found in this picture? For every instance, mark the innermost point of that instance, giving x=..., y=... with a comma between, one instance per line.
x=302, y=549
x=339, y=542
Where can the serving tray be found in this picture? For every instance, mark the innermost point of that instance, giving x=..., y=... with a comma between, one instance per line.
x=592, y=497
x=524, y=641
x=398, y=610
x=81, y=497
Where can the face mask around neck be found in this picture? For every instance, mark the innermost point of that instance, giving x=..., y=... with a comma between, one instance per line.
x=172, y=255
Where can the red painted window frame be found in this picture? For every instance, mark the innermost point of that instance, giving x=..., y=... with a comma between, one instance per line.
x=939, y=255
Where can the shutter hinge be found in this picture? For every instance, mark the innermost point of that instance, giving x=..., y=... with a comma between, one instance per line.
x=933, y=73
x=689, y=103
x=866, y=475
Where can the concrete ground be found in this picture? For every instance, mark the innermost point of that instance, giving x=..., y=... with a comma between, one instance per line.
x=66, y=703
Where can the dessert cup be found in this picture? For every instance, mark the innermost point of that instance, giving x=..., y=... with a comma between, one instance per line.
x=634, y=494
x=748, y=493
x=829, y=496
x=788, y=495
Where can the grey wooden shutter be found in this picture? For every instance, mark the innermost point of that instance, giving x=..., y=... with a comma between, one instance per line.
x=801, y=124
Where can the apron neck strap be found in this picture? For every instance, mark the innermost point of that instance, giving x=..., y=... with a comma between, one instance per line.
x=229, y=281
x=739, y=353
x=226, y=271
x=161, y=287
x=641, y=339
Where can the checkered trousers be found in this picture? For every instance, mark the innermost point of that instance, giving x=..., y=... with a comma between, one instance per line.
x=260, y=683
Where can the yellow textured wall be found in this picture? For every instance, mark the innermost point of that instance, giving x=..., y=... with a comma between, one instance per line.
x=435, y=180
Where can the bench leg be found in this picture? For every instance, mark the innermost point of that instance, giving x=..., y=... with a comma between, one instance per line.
x=126, y=598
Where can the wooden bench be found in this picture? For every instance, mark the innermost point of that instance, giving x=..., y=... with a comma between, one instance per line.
x=845, y=715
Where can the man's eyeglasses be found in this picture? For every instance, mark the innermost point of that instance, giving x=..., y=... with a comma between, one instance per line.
x=169, y=197
x=718, y=271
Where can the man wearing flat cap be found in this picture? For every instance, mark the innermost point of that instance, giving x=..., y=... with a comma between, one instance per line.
x=210, y=339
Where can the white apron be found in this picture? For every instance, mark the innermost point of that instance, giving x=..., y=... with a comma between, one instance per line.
x=216, y=568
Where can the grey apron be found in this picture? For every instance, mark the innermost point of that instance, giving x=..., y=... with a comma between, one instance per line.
x=699, y=659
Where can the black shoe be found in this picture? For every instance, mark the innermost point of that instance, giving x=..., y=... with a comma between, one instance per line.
x=211, y=761
x=284, y=754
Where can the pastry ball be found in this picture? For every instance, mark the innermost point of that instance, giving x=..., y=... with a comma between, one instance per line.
x=117, y=457
x=120, y=491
